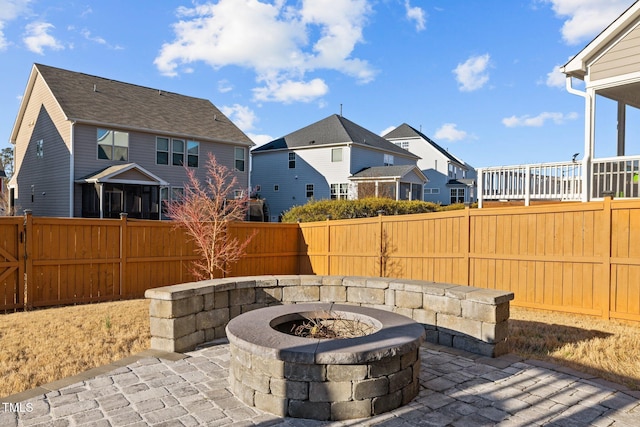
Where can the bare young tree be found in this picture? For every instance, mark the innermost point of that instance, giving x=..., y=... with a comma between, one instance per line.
x=205, y=211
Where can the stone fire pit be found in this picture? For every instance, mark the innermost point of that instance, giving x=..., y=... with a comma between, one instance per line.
x=324, y=379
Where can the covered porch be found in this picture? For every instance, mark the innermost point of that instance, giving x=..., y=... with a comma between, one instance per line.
x=126, y=188
x=393, y=182
x=609, y=66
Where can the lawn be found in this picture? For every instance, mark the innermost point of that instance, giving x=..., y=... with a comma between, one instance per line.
x=41, y=346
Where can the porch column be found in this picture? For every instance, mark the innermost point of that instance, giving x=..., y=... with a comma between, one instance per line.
x=622, y=119
x=397, y=189
x=101, y=199
x=589, y=143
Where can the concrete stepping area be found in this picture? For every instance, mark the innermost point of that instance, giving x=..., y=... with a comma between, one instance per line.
x=456, y=389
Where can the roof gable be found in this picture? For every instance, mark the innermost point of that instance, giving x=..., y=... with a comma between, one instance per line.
x=405, y=131
x=97, y=100
x=334, y=129
x=130, y=173
x=577, y=66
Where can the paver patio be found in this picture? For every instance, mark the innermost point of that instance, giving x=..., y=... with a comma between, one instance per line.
x=457, y=389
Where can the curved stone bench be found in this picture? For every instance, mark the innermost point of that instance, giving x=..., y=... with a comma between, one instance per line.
x=472, y=319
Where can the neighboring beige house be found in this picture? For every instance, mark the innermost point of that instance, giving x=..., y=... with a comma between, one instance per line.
x=88, y=146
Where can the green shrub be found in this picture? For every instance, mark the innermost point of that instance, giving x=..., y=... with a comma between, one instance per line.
x=320, y=210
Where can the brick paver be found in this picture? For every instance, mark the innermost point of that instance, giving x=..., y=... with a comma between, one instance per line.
x=457, y=389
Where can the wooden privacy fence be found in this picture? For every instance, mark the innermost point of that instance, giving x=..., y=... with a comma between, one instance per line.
x=571, y=257
x=55, y=261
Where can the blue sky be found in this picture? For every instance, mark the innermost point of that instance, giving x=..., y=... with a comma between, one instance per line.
x=479, y=77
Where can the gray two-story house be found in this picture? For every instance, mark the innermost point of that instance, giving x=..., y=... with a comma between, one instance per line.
x=333, y=158
x=451, y=180
x=88, y=146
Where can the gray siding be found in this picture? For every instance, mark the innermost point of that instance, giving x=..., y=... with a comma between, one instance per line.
x=362, y=157
x=272, y=168
x=142, y=151
x=622, y=58
x=49, y=174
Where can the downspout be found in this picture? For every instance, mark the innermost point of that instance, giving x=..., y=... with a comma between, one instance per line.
x=71, y=169
x=588, y=147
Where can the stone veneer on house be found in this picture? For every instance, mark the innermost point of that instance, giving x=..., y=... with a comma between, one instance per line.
x=473, y=319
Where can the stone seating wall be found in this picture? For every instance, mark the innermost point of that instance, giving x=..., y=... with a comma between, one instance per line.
x=472, y=319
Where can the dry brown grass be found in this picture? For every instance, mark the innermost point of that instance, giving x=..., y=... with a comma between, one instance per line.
x=41, y=346
x=46, y=345
x=605, y=348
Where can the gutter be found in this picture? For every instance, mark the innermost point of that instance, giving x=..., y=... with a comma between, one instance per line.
x=586, y=160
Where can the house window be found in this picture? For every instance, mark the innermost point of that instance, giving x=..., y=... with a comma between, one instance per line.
x=177, y=193
x=388, y=159
x=162, y=151
x=457, y=195
x=292, y=160
x=309, y=190
x=431, y=190
x=177, y=148
x=238, y=194
x=452, y=171
x=336, y=154
x=339, y=191
x=239, y=158
x=193, y=152
x=276, y=187
x=403, y=144
x=40, y=148
x=113, y=145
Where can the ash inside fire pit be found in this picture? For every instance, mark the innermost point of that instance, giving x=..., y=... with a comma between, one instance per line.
x=325, y=325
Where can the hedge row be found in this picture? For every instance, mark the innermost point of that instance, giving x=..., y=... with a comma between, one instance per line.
x=320, y=210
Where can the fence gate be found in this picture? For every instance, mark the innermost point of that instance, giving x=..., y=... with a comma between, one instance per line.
x=12, y=263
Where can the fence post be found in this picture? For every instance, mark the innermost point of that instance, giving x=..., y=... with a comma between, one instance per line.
x=606, y=261
x=327, y=262
x=28, y=262
x=124, y=240
x=382, y=248
x=467, y=245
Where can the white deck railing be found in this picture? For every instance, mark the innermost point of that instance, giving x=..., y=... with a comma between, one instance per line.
x=544, y=181
x=612, y=176
x=615, y=176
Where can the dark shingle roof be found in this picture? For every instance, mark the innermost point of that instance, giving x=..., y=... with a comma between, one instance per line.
x=406, y=131
x=384, y=171
x=136, y=107
x=334, y=129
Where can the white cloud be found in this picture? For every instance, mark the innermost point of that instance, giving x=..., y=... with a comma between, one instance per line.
x=224, y=86
x=242, y=116
x=260, y=139
x=280, y=43
x=539, y=120
x=10, y=10
x=38, y=38
x=416, y=14
x=387, y=130
x=556, y=78
x=291, y=91
x=586, y=18
x=472, y=74
x=450, y=132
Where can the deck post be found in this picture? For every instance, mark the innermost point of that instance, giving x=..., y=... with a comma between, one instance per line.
x=527, y=185
x=480, y=183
